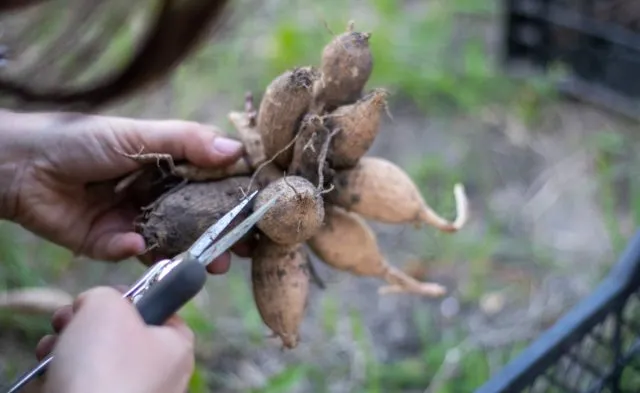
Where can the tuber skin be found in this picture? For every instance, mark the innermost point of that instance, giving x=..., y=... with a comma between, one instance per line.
x=178, y=218
x=284, y=103
x=280, y=280
x=347, y=243
x=297, y=214
x=345, y=68
x=380, y=190
x=308, y=151
x=359, y=124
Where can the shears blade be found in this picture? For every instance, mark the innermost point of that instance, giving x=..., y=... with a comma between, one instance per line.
x=236, y=233
x=211, y=234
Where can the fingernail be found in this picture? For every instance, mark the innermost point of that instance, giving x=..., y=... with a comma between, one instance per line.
x=226, y=145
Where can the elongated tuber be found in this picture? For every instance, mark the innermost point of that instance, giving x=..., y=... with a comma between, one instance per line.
x=346, y=65
x=347, y=243
x=283, y=105
x=380, y=190
x=280, y=280
x=359, y=124
x=297, y=214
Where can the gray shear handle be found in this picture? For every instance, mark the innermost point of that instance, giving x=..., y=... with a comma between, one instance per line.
x=168, y=295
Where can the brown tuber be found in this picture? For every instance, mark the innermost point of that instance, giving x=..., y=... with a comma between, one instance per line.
x=379, y=190
x=347, y=243
x=179, y=217
x=358, y=124
x=285, y=101
x=297, y=214
x=345, y=67
x=280, y=279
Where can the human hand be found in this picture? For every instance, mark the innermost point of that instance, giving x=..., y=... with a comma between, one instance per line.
x=103, y=345
x=58, y=172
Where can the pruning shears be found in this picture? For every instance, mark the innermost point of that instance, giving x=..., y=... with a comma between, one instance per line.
x=170, y=283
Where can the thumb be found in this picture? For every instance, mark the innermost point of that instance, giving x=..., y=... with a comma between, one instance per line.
x=200, y=144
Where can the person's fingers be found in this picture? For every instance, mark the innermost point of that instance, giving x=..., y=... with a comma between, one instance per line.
x=244, y=248
x=98, y=297
x=45, y=346
x=200, y=144
x=178, y=324
x=220, y=265
x=61, y=318
x=121, y=288
x=111, y=237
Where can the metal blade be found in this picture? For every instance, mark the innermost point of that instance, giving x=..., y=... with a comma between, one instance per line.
x=211, y=234
x=236, y=233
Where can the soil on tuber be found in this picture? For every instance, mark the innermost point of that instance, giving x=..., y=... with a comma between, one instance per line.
x=280, y=280
x=178, y=218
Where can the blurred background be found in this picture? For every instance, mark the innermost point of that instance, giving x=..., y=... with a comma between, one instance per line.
x=552, y=181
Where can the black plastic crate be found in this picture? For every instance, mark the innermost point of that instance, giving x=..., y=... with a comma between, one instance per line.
x=596, y=42
x=594, y=348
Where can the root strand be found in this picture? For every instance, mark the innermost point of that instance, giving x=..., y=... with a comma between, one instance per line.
x=403, y=283
x=428, y=215
x=269, y=161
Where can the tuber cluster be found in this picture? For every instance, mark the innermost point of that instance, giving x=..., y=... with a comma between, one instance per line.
x=306, y=141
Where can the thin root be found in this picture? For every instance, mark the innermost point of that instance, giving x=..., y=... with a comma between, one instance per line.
x=328, y=190
x=149, y=158
x=290, y=186
x=269, y=161
x=429, y=216
x=400, y=282
x=322, y=158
